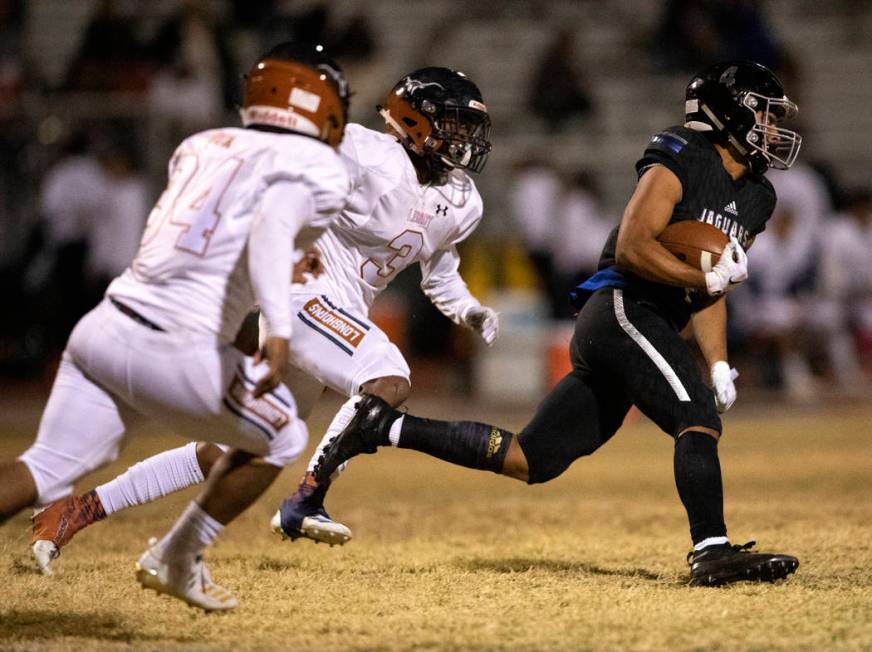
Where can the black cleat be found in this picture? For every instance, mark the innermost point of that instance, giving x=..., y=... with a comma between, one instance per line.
x=366, y=431
x=724, y=564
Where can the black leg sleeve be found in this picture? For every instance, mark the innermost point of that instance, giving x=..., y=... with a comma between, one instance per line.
x=698, y=478
x=467, y=443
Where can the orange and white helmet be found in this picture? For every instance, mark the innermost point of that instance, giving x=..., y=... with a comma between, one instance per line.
x=296, y=87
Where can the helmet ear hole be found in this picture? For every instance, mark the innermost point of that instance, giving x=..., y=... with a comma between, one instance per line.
x=409, y=122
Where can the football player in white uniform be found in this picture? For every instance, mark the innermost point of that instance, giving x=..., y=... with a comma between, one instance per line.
x=412, y=201
x=220, y=240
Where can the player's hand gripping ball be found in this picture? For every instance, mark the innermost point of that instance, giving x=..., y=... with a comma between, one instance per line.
x=708, y=249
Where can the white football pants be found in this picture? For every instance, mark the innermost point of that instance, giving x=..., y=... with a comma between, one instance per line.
x=113, y=366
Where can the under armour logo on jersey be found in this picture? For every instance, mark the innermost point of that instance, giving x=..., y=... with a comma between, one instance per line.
x=441, y=210
x=731, y=208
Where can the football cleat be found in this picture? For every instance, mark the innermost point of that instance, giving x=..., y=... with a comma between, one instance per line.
x=55, y=525
x=724, y=564
x=190, y=583
x=318, y=527
x=44, y=553
x=303, y=516
x=367, y=430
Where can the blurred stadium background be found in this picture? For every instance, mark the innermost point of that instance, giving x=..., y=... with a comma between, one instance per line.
x=95, y=94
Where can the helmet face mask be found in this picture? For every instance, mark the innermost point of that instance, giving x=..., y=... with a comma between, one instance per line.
x=779, y=145
x=742, y=103
x=464, y=137
x=438, y=114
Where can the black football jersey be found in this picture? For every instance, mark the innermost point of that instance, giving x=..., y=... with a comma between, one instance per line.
x=739, y=208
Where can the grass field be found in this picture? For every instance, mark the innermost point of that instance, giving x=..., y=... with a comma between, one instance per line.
x=449, y=559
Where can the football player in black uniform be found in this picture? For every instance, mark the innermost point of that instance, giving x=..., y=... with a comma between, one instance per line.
x=626, y=348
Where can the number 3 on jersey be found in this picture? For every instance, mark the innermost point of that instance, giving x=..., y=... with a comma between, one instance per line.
x=405, y=247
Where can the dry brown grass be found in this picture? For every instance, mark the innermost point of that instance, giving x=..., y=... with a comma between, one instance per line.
x=449, y=559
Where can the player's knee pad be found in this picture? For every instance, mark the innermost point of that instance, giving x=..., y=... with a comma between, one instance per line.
x=288, y=444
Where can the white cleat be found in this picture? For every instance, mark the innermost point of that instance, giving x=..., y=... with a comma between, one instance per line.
x=317, y=527
x=191, y=583
x=44, y=553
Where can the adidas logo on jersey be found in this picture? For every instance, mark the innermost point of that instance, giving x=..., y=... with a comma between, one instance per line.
x=731, y=208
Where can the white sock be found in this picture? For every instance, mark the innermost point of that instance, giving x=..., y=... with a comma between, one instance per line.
x=798, y=378
x=844, y=359
x=152, y=478
x=394, y=433
x=194, y=530
x=343, y=416
x=711, y=541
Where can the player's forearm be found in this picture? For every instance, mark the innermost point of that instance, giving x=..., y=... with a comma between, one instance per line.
x=648, y=212
x=452, y=298
x=651, y=261
x=710, y=329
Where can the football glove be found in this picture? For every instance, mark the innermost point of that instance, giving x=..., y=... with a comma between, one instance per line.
x=731, y=270
x=484, y=321
x=723, y=384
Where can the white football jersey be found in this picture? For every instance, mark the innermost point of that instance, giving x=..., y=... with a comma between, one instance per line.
x=192, y=270
x=390, y=222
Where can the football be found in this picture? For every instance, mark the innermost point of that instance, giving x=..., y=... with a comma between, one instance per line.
x=696, y=243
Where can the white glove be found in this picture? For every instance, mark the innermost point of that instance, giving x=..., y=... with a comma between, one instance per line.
x=483, y=321
x=731, y=270
x=724, y=387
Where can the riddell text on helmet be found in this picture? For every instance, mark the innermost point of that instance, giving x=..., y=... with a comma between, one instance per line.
x=282, y=118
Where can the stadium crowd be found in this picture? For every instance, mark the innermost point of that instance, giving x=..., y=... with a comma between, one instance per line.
x=74, y=192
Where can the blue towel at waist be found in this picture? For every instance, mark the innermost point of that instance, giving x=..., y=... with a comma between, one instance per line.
x=608, y=277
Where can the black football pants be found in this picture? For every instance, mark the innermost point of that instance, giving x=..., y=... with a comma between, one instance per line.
x=623, y=352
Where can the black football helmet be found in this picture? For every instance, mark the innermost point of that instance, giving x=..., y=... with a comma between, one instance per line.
x=439, y=115
x=742, y=102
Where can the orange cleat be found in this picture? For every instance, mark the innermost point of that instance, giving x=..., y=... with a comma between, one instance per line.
x=55, y=526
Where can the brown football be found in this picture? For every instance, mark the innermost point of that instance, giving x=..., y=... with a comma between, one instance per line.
x=696, y=243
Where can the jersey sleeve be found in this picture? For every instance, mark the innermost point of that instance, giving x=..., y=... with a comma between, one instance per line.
x=304, y=185
x=471, y=217
x=444, y=286
x=441, y=280
x=284, y=208
x=321, y=170
x=671, y=148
